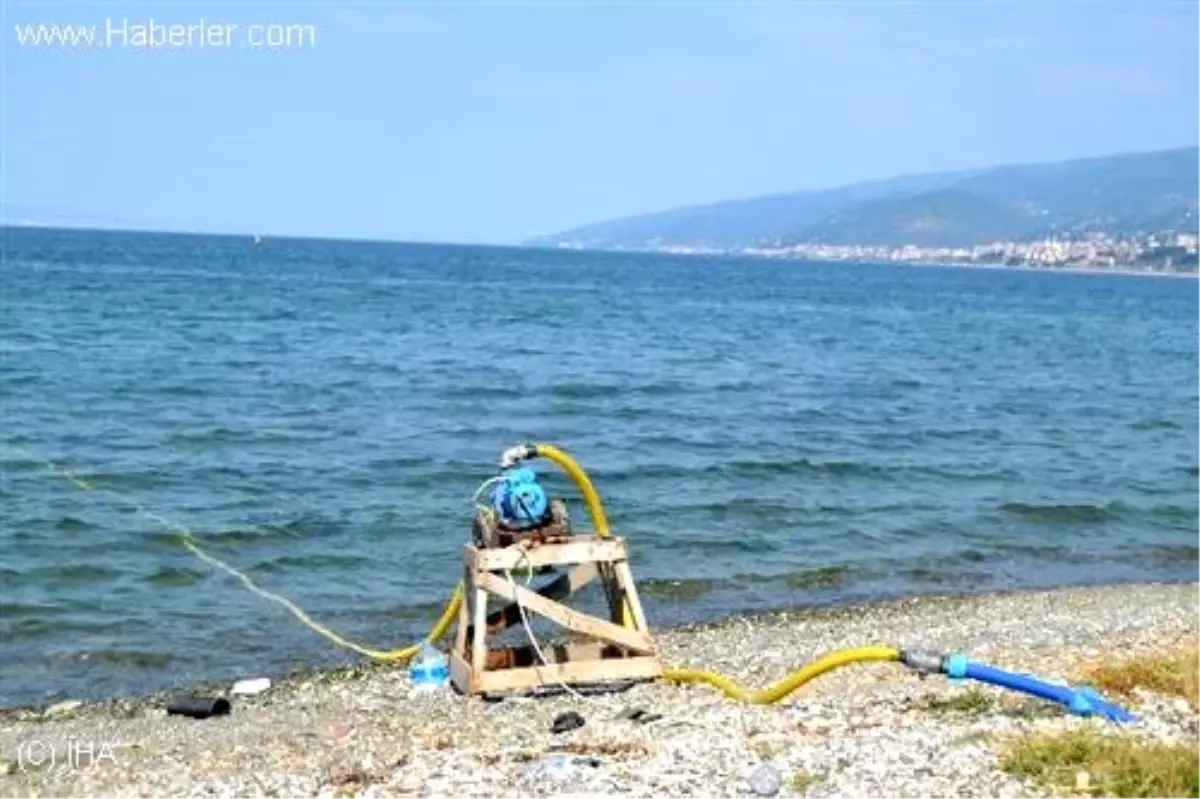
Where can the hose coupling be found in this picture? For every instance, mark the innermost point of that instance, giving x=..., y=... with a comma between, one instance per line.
x=514, y=455
x=922, y=660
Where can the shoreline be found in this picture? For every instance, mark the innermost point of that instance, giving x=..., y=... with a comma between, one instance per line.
x=1074, y=270
x=866, y=730
x=818, y=613
x=1124, y=271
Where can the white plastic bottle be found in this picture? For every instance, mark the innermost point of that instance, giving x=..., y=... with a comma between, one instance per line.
x=429, y=669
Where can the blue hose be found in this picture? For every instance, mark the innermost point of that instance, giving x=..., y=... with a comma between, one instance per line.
x=1083, y=701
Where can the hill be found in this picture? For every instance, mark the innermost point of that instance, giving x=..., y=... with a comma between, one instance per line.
x=1123, y=194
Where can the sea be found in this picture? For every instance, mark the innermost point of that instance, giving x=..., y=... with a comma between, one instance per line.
x=768, y=434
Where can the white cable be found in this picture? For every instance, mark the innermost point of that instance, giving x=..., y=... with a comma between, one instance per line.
x=520, y=605
x=529, y=630
x=491, y=481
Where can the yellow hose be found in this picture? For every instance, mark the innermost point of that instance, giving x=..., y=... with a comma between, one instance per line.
x=600, y=521
x=595, y=506
x=576, y=473
x=787, y=685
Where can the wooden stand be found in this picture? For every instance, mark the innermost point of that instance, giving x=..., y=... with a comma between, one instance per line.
x=615, y=652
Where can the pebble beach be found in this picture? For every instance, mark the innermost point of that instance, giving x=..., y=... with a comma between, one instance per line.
x=865, y=730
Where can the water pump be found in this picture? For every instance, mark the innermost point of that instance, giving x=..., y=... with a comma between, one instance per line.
x=520, y=509
x=519, y=500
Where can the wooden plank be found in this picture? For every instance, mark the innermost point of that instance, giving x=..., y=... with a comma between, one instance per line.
x=479, y=641
x=591, y=650
x=522, y=655
x=460, y=674
x=625, y=579
x=609, y=584
x=575, y=672
x=464, y=618
x=586, y=550
x=615, y=596
x=571, y=619
x=559, y=588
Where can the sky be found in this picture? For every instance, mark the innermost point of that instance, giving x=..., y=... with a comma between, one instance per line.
x=494, y=122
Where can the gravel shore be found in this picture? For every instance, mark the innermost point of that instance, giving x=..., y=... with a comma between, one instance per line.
x=865, y=730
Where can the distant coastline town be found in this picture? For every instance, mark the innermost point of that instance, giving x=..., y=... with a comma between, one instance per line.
x=1128, y=212
x=1174, y=253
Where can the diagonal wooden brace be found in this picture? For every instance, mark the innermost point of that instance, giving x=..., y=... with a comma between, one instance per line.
x=634, y=640
x=560, y=587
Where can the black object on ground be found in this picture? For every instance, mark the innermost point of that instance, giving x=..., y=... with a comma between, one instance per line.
x=638, y=715
x=566, y=721
x=198, y=708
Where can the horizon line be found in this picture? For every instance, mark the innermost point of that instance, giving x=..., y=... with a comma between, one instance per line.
x=529, y=242
x=165, y=231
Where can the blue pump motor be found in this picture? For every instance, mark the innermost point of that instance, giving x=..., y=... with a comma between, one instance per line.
x=519, y=500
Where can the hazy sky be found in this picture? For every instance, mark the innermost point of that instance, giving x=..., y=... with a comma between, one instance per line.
x=495, y=122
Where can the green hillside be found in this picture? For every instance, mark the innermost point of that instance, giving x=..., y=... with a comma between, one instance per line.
x=1120, y=194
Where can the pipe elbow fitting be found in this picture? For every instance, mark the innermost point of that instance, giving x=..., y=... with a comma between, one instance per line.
x=514, y=455
x=922, y=660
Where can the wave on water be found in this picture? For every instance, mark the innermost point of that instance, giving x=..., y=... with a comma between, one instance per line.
x=1066, y=513
x=683, y=589
x=73, y=574
x=1170, y=511
x=586, y=391
x=743, y=468
x=938, y=575
x=484, y=391
x=820, y=577
x=124, y=658
x=802, y=466
x=1155, y=424
x=38, y=609
x=733, y=543
x=594, y=391
x=174, y=577
x=71, y=524
x=305, y=526
x=312, y=562
x=1175, y=554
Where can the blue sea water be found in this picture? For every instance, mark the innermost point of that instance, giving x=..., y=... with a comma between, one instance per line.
x=767, y=434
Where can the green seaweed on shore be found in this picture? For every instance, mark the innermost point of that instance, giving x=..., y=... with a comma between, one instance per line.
x=767, y=750
x=1084, y=763
x=801, y=781
x=971, y=702
x=823, y=577
x=678, y=589
x=1174, y=673
x=971, y=738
